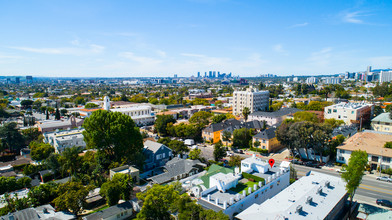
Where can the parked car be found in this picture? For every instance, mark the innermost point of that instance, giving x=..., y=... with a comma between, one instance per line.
x=384, y=202
x=313, y=164
x=295, y=161
x=384, y=178
x=341, y=170
x=229, y=154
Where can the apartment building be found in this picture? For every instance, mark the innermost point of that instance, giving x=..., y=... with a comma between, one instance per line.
x=382, y=122
x=252, y=98
x=350, y=113
x=268, y=140
x=232, y=192
x=373, y=143
x=314, y=196
x=61, y=140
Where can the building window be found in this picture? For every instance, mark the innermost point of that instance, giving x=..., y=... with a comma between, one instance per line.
x=374, y=158
x=335, y=110
x=341, y=158
x=341, y=151
x=386, y=159
x=329, y=111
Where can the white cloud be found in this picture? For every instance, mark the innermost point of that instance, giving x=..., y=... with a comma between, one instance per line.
x=145, y=61
x=299, y=25
x=161, y=53
x=321, y=58
x=91, y=49
x=279, y=49
x=352, y=17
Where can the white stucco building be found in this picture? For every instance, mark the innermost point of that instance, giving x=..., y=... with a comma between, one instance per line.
x=228, y=193
x=350, y=113
x=65, y=139
x=315, y=196
x=252, y=98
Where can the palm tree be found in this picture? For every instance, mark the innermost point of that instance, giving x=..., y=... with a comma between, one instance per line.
x=245, y=113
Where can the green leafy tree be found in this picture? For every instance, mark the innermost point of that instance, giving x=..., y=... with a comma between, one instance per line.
x=219, y=151
x=43, y=193
x=256, y=144
x=120, y=187
x=26, y=104
x=70, y=160
x=388, y=145
x=242, y=138
x=165, y=141
x=72, y=197
x=195, y=154
x=91, y=105
x=226, y=136
x=32, y=134
x=218, y=118
x=161, y=123
x=158, y=202
x=178, y=147
x=10, y=136
x=245, y=113
x=334, y=122
x=40, y=151
x=235, y=161
x=115, y=134
x=57, y=114
x=201, y=117
x=355, y=170
x=305, y=116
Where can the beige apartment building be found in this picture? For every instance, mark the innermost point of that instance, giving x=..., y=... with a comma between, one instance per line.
x=350, y=113
x=252, y=98
x=382, y=123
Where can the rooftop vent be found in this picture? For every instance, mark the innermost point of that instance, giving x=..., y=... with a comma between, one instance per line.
x=327, y=184
x=320, y=190
x=298, y=209
x=309, y=200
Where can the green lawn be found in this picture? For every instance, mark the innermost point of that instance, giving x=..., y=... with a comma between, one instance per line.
x=243, y=186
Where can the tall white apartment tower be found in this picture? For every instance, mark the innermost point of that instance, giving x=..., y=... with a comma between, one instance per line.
x=106, y=103
x=252, y=98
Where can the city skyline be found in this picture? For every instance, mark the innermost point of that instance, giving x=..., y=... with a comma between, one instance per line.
x=152, y=39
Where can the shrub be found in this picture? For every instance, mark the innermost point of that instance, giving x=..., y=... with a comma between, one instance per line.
x=260, y=150
x=253, y=177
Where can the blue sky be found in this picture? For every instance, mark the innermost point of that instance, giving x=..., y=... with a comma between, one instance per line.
x=163, y=38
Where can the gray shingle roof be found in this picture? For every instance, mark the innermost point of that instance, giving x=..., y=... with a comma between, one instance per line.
x=112, y=210
x=175, y=167
x=266, y=134
x=383, y=117
x=152, y=146
x=281, y=112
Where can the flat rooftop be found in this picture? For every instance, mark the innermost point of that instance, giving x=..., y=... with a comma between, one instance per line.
x=310, y=197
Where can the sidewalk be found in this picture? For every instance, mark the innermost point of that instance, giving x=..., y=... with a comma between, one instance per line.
x=333, y=167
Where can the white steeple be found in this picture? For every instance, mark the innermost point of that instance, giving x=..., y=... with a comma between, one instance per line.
x=106, y=103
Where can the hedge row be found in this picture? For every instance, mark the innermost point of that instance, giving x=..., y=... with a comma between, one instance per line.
x=260, y=150
x=255, y=178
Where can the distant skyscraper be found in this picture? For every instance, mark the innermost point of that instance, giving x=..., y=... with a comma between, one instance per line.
x=29, y=79
x=210, y=74
x=205, y=74
x=198, y=74
x=17, y=80
x=214, y=74
x=175, y=75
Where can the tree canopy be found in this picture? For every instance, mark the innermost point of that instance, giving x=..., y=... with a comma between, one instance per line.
x=355, y=171
x=115, y=134
x=201, y=117
x=161, y=124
